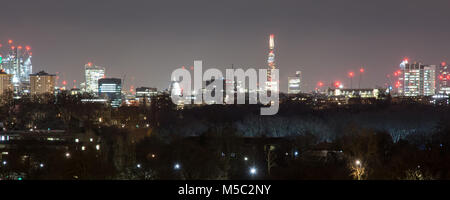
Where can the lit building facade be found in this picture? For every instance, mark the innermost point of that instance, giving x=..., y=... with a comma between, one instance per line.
x=443, y=79
x=417, y=79
x=111, y=89
x=271, y=84
x=16, y=60
x=294, y=83
x=144, y=94
x=75, y=91
x=5, y=82
x=92, y=74
x=356, y=93
x=42, y=83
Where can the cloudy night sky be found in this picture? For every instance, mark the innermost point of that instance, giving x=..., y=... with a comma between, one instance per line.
x=147, y=39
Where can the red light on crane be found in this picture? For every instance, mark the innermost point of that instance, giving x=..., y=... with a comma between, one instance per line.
x=10, y=41
x=64, y=82
x=351, y=74
x=27, y=48
x=19, y=47
x=337, y=84
x=443, y=64
x=89, y=64
x=13, y=47
x=320, y=84
x=361, y=70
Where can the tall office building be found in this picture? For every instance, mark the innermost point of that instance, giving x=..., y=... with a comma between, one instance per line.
x=443, y=80
x=294, y=83
x=271, y=84
x=42, y=83
x=5, y=82
x=16, y=60
x=111, y=89
x=92, y=74
x=417, y=79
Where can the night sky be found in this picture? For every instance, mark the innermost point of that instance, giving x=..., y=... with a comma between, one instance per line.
x=147, y=40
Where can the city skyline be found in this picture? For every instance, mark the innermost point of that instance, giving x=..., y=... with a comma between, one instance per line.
x=323, y=39
x=226, y=91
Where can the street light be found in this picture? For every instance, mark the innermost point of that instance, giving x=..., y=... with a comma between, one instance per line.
x=138, y=165
x=358, y=170
x=253, y=171
x=177, y=166
x=245, y=158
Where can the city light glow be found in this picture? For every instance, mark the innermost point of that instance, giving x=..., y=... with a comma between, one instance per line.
x=177, y=166
x=253, y=171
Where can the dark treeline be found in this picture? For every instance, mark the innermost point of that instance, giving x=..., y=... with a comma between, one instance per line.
x=391, y=141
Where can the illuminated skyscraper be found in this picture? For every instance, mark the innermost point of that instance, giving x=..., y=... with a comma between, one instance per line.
x=16, y=60
x=294, y=83
x=111, y=89
x=271, y=84
x=92, y=74
x=417, y=79
x=443, y=80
